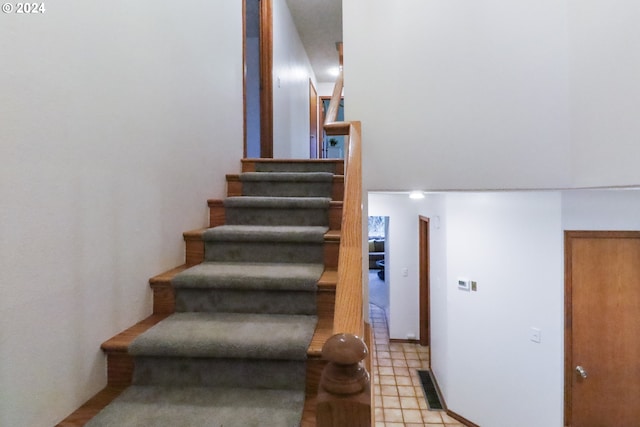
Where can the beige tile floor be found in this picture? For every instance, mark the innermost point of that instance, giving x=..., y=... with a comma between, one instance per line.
x=399, y=398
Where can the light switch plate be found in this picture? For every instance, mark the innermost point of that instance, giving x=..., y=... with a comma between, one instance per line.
x=535, y=335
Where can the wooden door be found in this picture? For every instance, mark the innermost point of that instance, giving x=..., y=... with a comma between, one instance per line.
x=602, y=329
x=313, y=121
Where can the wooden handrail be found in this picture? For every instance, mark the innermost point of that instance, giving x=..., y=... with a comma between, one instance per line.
x=345, y=395
x=348, y=316
x=334, y=104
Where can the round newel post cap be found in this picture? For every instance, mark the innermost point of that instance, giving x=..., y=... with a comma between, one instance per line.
x=344, y=349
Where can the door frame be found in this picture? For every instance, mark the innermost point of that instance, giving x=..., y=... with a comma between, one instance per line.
x=425, y=286
x=314, y=143
x=266, y=77
x=569, y=236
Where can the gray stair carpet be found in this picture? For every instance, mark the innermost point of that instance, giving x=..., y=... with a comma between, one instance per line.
x=249, y=210
x=156, y=406
x=277, y=288
x=287, y=184
x=234, y=352
x=276, y=166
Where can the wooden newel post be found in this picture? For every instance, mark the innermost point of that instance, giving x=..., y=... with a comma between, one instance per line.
x=344, y=395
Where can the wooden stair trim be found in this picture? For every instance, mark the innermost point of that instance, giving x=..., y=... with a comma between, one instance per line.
x=91, y=407
x=217, y=214
x=194, y=246
x=332, y=236
x=324, y=330
x=194, y=234
x=234, y=185
x=335, y=214
x=120, y=342
x=164, y=296
x=328, y=280
x=163, y=279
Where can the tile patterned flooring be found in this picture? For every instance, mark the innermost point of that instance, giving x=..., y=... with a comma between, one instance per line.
x=399, y=398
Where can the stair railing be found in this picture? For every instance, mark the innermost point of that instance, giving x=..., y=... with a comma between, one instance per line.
x=331, y=126
x=344, y=395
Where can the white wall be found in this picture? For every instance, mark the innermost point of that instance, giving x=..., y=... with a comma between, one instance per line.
x=119, y=120
x=601, y=210
x=511, y=244
x=291, y=74
x=482, y=338
x=325, y=89
x=466, y=96
x=605, y=91
x=496, y=95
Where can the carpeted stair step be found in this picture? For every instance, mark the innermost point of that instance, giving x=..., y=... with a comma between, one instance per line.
x=120, y=367
x=227, y=335
x=248, y=288
x=244, y=346
x=195, y=247
x=120, y=361
x=218, y=372
x=253, y=210
x=217, y=214
x=287, y=184
x=164, y=291
x=335, y=166
x=155, y=406
x=269, y=244
x=250, y=276
x=235, y=188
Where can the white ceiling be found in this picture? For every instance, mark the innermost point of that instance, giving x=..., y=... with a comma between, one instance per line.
x=319, y=23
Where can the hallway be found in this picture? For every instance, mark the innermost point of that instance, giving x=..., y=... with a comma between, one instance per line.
x=399, y=398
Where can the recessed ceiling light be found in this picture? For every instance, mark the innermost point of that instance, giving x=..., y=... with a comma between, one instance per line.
x=334, y=71
x=416, y=195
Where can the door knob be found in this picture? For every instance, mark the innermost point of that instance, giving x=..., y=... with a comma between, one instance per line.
x=580, y=370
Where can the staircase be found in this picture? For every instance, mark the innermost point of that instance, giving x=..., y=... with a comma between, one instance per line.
x=236, y=333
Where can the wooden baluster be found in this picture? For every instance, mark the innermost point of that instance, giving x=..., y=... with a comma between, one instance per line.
x=344, y=395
